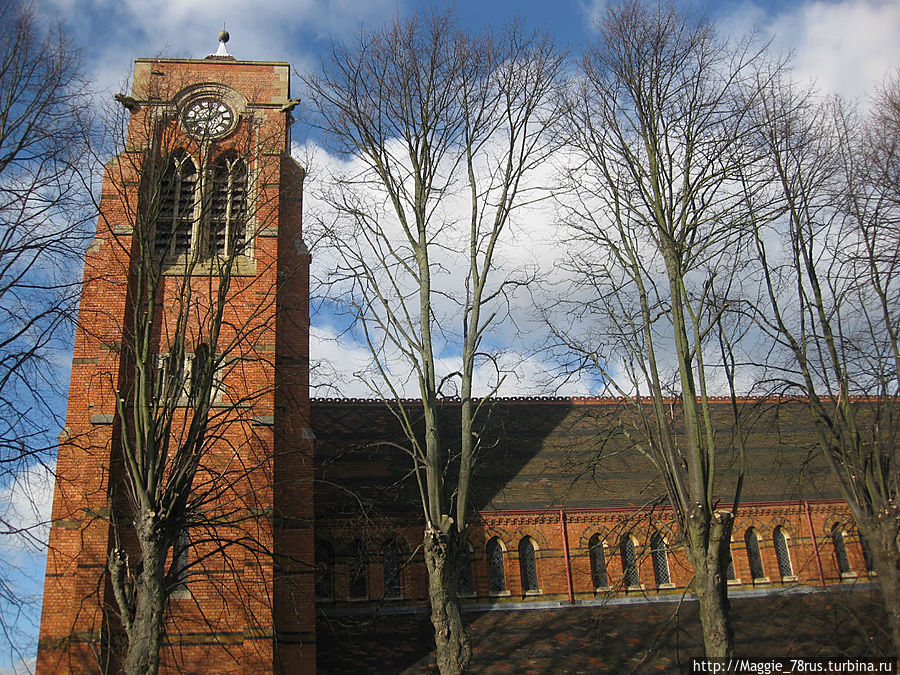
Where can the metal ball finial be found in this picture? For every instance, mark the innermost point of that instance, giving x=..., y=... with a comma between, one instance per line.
x=224, y=36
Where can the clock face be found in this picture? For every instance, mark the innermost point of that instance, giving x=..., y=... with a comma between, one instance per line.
x=207, y=118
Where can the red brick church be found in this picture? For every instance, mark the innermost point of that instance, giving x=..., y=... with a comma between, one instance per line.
x=564, y=519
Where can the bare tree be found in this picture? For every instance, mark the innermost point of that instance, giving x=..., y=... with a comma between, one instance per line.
x=826, y=232
x=442, y=131
x=43, y=136
x=197, y=260
x=655, y=128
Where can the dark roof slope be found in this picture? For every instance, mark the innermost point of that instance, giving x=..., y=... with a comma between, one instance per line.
x=545, y=453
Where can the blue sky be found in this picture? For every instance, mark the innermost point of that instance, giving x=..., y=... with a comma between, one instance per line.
x=846, y=46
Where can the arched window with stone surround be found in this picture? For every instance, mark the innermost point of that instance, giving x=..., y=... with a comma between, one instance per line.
x=782, y=553
x=528, y=565
x=173, y=205
x=356, y=570
x=659, y=554
x=840, y=549
x=598, y=562
x=324, y=571
x=496, y=574
x=629, y=562
x=390, y=561
x=751, y=539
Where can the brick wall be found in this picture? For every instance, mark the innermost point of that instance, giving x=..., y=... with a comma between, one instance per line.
x=227, y=615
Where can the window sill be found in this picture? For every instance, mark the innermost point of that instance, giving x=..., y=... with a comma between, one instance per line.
x=629, y=589
x=530, y=593
x=361, y=598
x=762, y=580
x=849, y=575
x=733, y=582
x=665, y=587
x=790, y=579
x=176, y=265
x=500, y=594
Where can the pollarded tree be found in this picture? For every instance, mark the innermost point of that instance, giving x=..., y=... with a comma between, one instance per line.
x=442, y=132
x=656, y=123
x=826, y=233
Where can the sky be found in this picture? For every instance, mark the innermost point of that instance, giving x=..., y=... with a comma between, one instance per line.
x=844, y=46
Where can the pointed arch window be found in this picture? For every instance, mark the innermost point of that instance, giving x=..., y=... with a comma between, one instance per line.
x=782, y=553
x=729, y=569
x=496, y=575
x=175, y=207
x=840, y=550
x=528, y=565
x=753, y=555
x=464, y=585
x=324, y=571
x=227, y=226
x=629, y=562
x=356, y=570
x=598, y=562
x=659, y=554
x=867, y=553
x=390, y=559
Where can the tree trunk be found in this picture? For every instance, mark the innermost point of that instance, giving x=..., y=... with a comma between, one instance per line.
x=145, y=628
x=707, y=548
x=711, y=589
x=882, y=537
x=452, y=648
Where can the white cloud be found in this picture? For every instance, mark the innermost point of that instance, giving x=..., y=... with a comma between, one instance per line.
x=845, y=47
x=25, y=505
x=112, y=33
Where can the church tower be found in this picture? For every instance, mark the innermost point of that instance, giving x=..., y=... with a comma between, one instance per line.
x=187, y=448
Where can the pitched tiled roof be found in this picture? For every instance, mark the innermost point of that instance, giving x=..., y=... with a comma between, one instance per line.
x=551, y=453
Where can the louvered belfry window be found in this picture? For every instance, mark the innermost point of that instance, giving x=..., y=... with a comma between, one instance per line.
x=227, y=207
x=175, y=210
